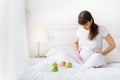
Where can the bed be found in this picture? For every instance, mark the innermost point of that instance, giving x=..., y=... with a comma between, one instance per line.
x=61, y=38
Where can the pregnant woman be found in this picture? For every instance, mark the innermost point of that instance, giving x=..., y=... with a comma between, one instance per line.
x=88, y=41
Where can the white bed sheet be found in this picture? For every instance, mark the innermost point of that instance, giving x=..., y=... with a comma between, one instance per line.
x=41, y=71
x=115, y=64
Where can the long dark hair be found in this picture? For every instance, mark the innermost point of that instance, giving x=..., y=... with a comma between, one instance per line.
x=83, y=18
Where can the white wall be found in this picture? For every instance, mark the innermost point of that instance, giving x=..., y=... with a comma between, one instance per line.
x=47, y=12
x=66, y=11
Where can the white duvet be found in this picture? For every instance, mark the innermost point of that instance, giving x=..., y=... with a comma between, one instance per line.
x=41, y=71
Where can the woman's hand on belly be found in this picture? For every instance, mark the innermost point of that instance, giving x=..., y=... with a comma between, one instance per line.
x=79, y=56
x=81, y=59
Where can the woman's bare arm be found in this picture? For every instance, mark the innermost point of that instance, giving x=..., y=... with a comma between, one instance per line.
x=76, y=42
x=111, y=43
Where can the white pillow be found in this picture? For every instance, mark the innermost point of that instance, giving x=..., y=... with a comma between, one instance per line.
x=66, y=49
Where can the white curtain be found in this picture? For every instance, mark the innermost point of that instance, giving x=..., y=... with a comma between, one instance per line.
x=14, y=58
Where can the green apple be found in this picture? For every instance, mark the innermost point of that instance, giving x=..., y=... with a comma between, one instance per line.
x=54, y=64
x=68, y=65
x=54, y=68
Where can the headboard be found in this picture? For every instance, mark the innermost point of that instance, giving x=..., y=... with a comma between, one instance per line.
x=64, y=34
x=60, y=35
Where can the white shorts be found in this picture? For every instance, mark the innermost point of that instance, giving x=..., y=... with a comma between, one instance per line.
x=96, y=60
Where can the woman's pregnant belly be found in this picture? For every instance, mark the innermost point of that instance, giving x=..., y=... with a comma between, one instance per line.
x=86, y=53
